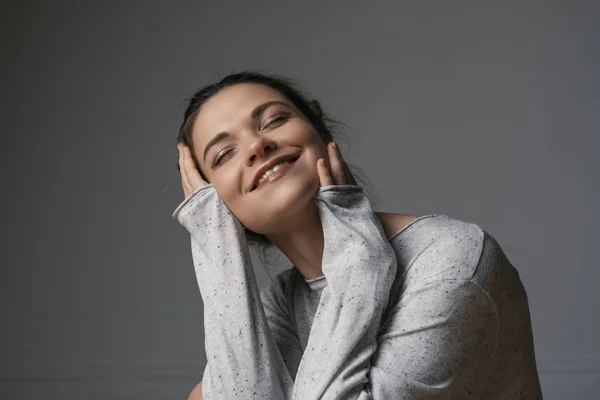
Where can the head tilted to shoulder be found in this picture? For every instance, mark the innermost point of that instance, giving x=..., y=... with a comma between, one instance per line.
x=238, y=127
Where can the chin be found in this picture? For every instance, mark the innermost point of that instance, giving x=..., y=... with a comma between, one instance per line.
x=278, y=206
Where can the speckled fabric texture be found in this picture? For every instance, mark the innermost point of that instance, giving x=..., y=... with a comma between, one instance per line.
x=436, y=311
x=243, y=360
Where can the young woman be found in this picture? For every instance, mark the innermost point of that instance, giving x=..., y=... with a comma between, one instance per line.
x=376, y=305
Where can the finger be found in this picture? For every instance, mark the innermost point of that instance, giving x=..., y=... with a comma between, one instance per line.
x=350, y=180
x=193, y=175
x=324, y=174
x=348, y=177
x=184, y=182
x=337, y=164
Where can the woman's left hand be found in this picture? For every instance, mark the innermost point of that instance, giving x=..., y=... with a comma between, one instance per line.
x=334, y=170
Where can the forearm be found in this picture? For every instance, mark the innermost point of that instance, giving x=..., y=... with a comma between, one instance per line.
x=242, y=355
x=359, y=265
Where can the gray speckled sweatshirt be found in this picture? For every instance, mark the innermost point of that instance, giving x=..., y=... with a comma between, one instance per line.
x=434, y=312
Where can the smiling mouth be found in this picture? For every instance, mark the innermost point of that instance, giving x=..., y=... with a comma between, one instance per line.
x=276, y=175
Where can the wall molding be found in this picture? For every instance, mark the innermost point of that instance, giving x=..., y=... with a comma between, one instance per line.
x=99, y=372
x=186, y=372
x=579, y=366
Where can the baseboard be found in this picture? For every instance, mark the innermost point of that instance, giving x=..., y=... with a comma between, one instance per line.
x=183, y=372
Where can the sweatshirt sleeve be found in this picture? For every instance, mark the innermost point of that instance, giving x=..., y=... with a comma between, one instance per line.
x=436, y=343
x=359, y=265
x=243, y=360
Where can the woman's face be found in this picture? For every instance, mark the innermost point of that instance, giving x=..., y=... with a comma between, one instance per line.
x=259, y=125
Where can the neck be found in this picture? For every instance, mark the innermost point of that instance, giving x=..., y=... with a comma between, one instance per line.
x=304, y=245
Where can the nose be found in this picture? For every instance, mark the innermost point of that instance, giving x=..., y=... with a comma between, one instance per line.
x=260, y=147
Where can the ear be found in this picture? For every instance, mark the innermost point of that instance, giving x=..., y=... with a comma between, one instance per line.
x=316, y=107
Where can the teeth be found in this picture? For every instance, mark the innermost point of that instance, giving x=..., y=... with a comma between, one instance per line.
x=272, y=170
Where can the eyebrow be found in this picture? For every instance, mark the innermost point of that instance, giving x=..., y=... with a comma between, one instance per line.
x=257, y=112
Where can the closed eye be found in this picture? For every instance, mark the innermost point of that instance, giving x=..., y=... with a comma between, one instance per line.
x=218, y=160
x=280, y=118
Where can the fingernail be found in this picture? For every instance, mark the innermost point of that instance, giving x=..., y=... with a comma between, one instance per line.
x=334, y=145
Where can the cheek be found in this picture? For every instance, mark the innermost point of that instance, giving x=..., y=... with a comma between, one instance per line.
x=311, y=165
x=319, y=148
x=316, y=152
x=227, y=189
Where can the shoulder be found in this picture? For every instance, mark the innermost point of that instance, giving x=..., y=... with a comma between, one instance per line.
x=442, y=226
x=394, y=222
x=439, y=247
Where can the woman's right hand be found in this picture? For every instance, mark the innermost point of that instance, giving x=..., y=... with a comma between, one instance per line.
x=191, y=179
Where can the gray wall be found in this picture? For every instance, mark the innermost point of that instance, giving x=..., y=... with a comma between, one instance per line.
x=486, y=113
